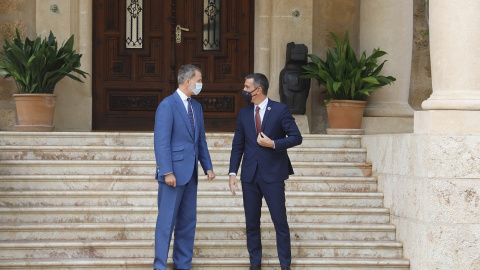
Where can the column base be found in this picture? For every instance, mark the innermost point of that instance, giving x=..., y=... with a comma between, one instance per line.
x=302, y=123
x=455, y=100
x=387, y=125
x=447, y=121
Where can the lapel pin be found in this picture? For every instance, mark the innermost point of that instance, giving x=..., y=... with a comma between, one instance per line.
x=269, y=108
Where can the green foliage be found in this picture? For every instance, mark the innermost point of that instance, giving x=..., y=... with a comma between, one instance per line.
x=344, y=76
x=38, y=65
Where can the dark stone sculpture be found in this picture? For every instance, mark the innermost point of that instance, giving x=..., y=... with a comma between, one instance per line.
x=293, y=89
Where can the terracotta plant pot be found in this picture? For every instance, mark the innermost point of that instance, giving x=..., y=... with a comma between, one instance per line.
x=35, y=111
x=345, y=114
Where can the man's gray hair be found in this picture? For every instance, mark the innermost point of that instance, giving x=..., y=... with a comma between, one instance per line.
x=186, y=72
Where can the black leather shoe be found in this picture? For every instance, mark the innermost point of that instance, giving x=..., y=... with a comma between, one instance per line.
x=255, y=268
x=286, y=268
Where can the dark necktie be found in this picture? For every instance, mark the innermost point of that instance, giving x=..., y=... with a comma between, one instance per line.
x=258, y=123
x=190, y=115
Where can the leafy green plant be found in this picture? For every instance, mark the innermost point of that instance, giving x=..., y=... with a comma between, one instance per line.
x=38, y=65
x=344, y=75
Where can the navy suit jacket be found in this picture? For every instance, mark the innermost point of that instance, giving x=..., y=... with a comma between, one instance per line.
x=177, y=148
x=273, y=164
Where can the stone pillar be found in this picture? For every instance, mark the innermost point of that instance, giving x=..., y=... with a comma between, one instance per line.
x=454, y=37
x=432, y=186
x=388, y=24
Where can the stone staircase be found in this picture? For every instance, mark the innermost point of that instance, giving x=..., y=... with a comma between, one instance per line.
x=88, y=201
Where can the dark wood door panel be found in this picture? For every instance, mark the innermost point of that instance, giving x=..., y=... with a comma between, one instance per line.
x=129, y=83
x=224, y=69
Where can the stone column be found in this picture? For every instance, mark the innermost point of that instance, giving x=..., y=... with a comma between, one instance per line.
x=388, y=24
x=454, y=38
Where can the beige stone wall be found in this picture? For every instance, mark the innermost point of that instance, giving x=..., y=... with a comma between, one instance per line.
x=275, y=27
x=73, y=110
x=13, y=14
x=430, y=183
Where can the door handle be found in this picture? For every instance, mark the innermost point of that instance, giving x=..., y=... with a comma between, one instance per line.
x=178, y=33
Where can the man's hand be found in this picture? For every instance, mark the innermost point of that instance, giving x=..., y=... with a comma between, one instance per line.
x=210, y=175
x=171, y=180
x=264, y=141
x=233, y=184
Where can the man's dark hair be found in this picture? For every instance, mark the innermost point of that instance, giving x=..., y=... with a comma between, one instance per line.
x=259, y=80
x=186, y=72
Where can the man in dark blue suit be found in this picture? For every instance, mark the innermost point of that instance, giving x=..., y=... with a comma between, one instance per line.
x=179, y=141
x=265, y=130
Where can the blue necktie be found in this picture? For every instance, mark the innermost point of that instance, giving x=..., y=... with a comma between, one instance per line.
x=190, y=115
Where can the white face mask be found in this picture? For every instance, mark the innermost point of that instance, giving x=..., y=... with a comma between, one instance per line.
x=198, y=88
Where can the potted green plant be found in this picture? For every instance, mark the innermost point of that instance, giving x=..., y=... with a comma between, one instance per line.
x=348, y=81
x=37, y=66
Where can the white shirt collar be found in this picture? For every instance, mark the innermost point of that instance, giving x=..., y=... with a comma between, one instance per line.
x=262, y=105
x=182, y=95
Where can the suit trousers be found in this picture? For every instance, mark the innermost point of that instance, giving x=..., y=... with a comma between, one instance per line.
x=177, y=209
x=274, y=194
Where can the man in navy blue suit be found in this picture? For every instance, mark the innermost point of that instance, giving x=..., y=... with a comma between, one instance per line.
x=179, y=142
x=265, y=130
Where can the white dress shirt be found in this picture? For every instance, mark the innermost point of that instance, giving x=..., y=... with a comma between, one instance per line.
x=185, y=102
x=263, y=108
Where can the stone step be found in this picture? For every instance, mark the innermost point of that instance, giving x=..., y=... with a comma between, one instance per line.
x=146, y=139
x=148, y=167
x=204, y=198
x=202, y=249
x=147, y=153
x=204, y=231
x=207, y=264
x=146, y=182
x=102, y=214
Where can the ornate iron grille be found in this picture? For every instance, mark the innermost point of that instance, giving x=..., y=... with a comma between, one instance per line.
x=134, y=24
x=211, y=25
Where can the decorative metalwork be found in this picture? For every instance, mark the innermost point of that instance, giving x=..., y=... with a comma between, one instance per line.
x=211, y=25
x=217, y=104
x=178, y=33
x=133, y=102
x=134, y=32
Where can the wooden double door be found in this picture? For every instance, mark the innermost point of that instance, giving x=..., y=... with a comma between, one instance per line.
x=140, y=44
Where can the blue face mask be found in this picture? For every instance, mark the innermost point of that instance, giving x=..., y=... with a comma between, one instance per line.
x=197, y=89
x=248, y=95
